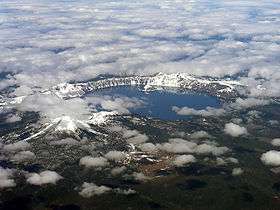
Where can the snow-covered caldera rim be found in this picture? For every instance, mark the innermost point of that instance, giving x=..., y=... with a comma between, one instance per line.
x=186, y=81
x=178, y=80
x=221, y=88
x=225, y=89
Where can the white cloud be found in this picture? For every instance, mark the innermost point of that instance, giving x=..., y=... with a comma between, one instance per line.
x=133, y=136
x=232, y=160
x=148, y=147
x=237, y=120
x=6, y=178
x=271, y=158
x=17, y=146
x=276, y=142
x=237, y=171
x=52, y=107
x=124, y=191
x=140, y=176
x=118, y=170
x=225, y=161
x=23, y=156
x=211, y=149
x=22, y=91
x=209, y=111
x=115, y=155
x=130, y=133
x=181, y=160
x=138, y=139
x=89, y=161
x=199, y=135
x=273, y=122
x=44, y=177
x=263, y=79
x=133, y=43
x=220, y=161
x=248, y=102
x=181, y=146
x=91, y=189
x=178, y=146
x=13, y=118
x=235, y=130
x=121, y=104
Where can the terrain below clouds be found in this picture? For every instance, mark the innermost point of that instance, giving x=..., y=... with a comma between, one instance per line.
x=140, y=104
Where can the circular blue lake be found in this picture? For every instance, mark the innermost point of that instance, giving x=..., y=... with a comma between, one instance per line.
x=159, y=103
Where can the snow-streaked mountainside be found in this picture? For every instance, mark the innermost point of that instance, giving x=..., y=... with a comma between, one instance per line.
x=69, y=125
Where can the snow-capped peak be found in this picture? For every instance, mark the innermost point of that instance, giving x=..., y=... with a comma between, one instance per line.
x=65, y=123
x=69, y=125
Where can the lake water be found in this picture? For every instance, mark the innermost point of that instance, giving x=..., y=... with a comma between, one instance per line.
x=159, y=103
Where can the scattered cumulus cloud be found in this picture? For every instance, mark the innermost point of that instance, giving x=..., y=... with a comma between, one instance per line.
x=148, y=147
x=90, y=189
x=130, y=133
x=44, y=177
x=94, y=162
x=199, y=135
x=237, y=171
x=271, y=158
x=181, y=146
x=276, y=142
x=220, y=161
x=208, y=111
x=225, y=161
x=118, y=170
x=132, y=136
x=138, y=139
x=23, y=156
x=181, y=160
x=6, y=178
x=115, y=155
x=235, y=130
x=140, y=176
x=121, y=104
x=232, y=160
x=178, y=145
x=17, y=146
x=124, y=191
x=249, y=102
x=211, y=149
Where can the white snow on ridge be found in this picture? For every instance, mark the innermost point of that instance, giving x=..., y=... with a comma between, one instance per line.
x=68, y=124
x=41, y=132
x=178, y=80
x=100, y=118
x=70, y=90
x=65, y=123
